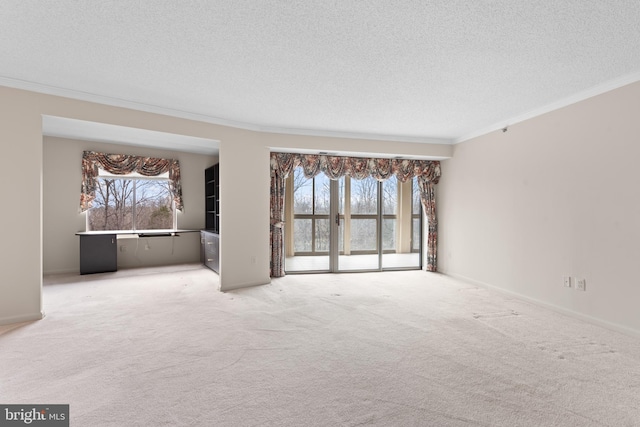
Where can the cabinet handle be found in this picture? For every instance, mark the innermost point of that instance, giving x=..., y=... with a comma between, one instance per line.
x=209, y=259
x=112, y=240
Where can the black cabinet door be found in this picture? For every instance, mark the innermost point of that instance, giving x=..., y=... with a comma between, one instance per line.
x=98, y=253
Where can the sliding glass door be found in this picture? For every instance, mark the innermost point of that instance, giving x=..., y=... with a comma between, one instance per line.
x=309, y=213
x=351, y=225
x=401, y=225
x=360, y=226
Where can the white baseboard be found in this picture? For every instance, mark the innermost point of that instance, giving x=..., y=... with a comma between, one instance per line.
x=63, y=271
x=594, y=320
x=21, y=318
x=244, y=285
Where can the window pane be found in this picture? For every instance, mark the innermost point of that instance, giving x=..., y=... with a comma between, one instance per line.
x=131, y=204
x=363, y=234
x=322, y=235
x=153, y=205
x=416, y=207
x=321, y=183
x=302, y=235
x=364, y=196
x=390, y=196
x=341, y=189
x=113, y=206
x=341, y=235
x=415, y=237
x=389, y=234
x=342, y=182
x=302, y=193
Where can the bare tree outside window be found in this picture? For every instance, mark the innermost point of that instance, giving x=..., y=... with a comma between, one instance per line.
x=371, y=218
x=416, y=217
x=302, y=193
x=302, y=204
x=364, y=196
x=131, y=204
x=389, y=212
x=311, y=203
x=312, y=225
x=364, y=209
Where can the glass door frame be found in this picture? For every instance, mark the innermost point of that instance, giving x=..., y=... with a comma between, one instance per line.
x=337, y=219
x=340, y=221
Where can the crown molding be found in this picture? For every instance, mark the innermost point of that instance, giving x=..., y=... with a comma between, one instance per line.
x=580, y=96
x=355, y=135
x=118, y=102
x=123, y=103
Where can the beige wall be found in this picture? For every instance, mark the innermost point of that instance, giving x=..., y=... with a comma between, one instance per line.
x=244, y=175
x=61, y=217
x=21, y=214
x=554, y=195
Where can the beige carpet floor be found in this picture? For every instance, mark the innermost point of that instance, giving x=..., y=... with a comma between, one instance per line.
x=163, y=347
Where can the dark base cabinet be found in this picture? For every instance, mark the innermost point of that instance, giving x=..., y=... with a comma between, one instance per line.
x=210, y=250
x=98, y=253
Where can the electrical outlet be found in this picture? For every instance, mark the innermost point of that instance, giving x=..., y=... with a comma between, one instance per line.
x=567, y=281
x=581, y=285
x=123, y=248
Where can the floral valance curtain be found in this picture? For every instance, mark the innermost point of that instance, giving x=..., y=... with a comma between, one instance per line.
x=282, y=164
x=356, y=167
x=121, y=164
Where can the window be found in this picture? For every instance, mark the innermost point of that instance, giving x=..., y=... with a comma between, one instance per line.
x=132, y=202
x=311, y=219
x=364, y=215
x=416, y=216
x=390, y=188
x=311, y=209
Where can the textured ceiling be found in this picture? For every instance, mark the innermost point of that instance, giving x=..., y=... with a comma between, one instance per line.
x=407, y=69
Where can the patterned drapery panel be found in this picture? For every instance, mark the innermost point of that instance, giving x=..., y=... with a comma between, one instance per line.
x=428, y=198
x=282, y=164
x=121, y=164
x=276, y=265
x=335, y=167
